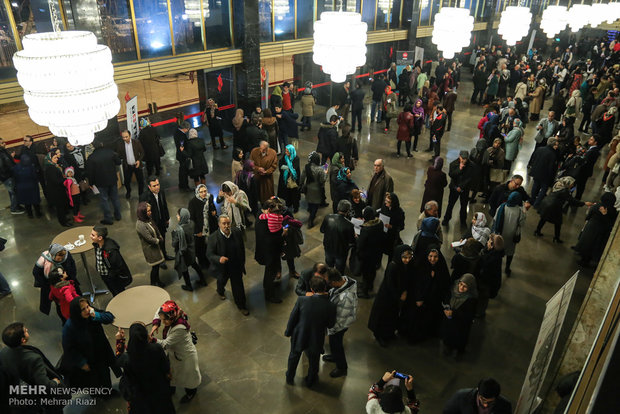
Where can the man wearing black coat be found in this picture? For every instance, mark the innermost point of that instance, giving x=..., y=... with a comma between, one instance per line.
x=328, y=139
x=485, y=398
x=303, y=284
x=180, y=138
x=378, y=89
x=7, y=162
x=480, y=84
x=254, y=134
x=267, y=253
x=109, y=262
x=306, y=327
x=101, y=172
x=149, y=138
x=502, y=191
x=24, y=363
x=226, y=253
x=461, y=174
x=156, y=198
x=357, y=105
x=544, y=166
x=339, y=236
x=587, y=169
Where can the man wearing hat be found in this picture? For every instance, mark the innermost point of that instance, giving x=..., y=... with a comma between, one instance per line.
x=461, y=174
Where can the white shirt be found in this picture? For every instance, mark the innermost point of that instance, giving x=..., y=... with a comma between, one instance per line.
x=131, y=159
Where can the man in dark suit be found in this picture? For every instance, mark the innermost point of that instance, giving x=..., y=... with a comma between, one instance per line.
x=180, y=138
x=306, y=327
x=22, y=362
x=587, y=169
x=226, y=253
x=132, y=154
x=101, y=172
x=485, y=398
x=156, y=197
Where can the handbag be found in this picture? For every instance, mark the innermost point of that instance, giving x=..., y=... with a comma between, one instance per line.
x=290, y=183
x=498, y=175
x=83, y=185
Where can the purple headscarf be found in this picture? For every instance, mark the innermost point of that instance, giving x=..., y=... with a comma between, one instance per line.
x=438, y=163
x=416, y=110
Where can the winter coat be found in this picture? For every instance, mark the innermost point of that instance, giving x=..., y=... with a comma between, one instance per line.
x=595, y=233
x=309, y=320
x=339, y=235
x=55, y=188
x=268, y=244
x=184, y=258
x=307, y=105
x=521, y=90
x=493, y=85
x=290, y=195
x=195, y=150
x=405, y=126
x=455, y=331
x=357, y=99
x=63, y=293
x=544, y=165
x=379, y=185
x=118, y=271
x=552, y=206
x=271, y=128
x=313, y=187
x=369, y=243
x=514, y=218
x=101, y=167
x=327, y=140
x=491, y=271
x=182, y=356
x=345, y=299
x=150, y=238
x=288, y=124
x=512, y=142
x=27, y=364
x=389, y=108
x=6, y=165
x=136, y=146
x=434, y=185
x=216, y=248
x=196, y=210
x=41, y=281
x=461, y=177
x=27, y=183
x=538, y=97
x=149, y=138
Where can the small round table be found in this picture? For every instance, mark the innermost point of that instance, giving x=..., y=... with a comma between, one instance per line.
x=137, y=304
x=71, y=236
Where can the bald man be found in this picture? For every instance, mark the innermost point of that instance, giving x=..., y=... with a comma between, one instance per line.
x=380, y=184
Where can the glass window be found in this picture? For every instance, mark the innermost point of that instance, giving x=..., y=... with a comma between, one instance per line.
x=324, y=5
x=186, y=25
x=220, y=89
x=425, y=13
x=32, y=16
x=368, y=13
x=395, y=14
x=8, y=46
x=284, y=19
x=264, y=20
x=153, y=28
x=435, y=9
x=383, y=11
x=305, y=18
x=217, y=23
x=351, y=5
x=109, y=20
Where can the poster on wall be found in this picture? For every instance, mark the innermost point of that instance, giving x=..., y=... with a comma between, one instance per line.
x=132, y=117
x=555, y=313
x=419, y=55
x=403, y=58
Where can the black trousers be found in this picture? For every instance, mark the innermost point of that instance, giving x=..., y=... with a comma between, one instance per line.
x=369, y=272
x=356, y=116
x=154, y=275
x=153, y=165
x=269, y=277
x=187, y=279
x=463, y=198
x=580, y=183
x=128, y=171
x=183, y=175
x=557, y=227
x=313, y=365
x=201, y=250
x=407, y=146
x=477, y=96
x=236, y=284
x=449, y=121
x=115, y=286
x=585, y=122
x=336, y=346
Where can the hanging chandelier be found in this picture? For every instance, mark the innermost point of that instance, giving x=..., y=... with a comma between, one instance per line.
x=554, y=20
x=452, y=30
x=68, y=82
x=281, y=9
x=613, y=12
x=579, y=16
x=514, y=24
x=339, y=43
x=598, y=14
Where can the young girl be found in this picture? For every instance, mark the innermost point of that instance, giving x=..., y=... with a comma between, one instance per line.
x=62, y=291
x=237, y=162
x=272, y=212
x=73, y=192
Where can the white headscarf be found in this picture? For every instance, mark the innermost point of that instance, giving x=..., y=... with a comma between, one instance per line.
x=479, y=229
x=232, y=209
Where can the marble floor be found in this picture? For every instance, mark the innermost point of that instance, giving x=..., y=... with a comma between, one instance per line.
x=243, y=359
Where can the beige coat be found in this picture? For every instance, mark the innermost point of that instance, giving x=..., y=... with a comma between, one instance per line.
x=538, y=96
x=182, y=355
x=149, y=239
x=307, y=105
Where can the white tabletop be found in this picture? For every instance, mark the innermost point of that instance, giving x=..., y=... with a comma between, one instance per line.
x=137, y=304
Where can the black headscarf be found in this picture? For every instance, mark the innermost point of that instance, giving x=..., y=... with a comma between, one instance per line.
x=75, y=312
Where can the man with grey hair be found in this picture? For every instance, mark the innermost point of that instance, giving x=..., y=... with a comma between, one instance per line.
x=338, y=236
x=265, y=162
x=431, y=209
x=180, y=138
x=380, y=183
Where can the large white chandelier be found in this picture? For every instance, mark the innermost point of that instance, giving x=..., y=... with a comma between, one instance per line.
x=514, y=24
x=613, y=12
x=68, y=82
x=452, y=30
x=579, y=16
x=554, y=20
x=598, y=14
x=339, y=43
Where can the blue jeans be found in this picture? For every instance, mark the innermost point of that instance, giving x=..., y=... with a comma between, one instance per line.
x=9, y=183
x=376, y=106
x=336, y=261
x=107, y=194
x=539, y=191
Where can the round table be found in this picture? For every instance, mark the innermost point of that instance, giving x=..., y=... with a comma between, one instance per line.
x=71, y=236
x=137, y=304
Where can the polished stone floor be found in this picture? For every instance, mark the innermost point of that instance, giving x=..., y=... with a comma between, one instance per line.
x=243, y=359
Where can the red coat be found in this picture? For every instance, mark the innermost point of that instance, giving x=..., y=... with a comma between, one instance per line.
x=481, y=123
x=405, y=126
x=63, y=297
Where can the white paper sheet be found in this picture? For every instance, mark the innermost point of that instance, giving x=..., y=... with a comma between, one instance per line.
x=385, y=219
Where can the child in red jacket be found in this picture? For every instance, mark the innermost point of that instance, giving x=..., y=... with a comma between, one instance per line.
x=62, y=291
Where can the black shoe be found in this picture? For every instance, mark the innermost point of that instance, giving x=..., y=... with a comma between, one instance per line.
x=160, y=284
x=409, y=155
x=221, y=295
x=309, y=383
x=106, y=222
x=329, y=358
x=187, y=398
x=445, y=223
x=18, y=210
x=168, y=257
x=558, y=240
x=538, y=234
x=290, y=381
x=66, y=224
x=202, y=281
x=273, y=299
x=338, y=373
x=117, y=218
x=188, y=288
x=244, y=312
x=324, y=205
x=508, y=272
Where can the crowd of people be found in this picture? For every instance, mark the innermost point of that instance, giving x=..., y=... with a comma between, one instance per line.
x=423, y=294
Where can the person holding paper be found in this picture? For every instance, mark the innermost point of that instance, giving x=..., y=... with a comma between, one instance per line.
x=391, y=209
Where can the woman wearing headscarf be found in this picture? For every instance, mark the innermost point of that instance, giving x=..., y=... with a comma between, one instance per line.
x=599, y=222
x=234, y=203
x=347, y=146
x=312, y=184
x=385, y=312
x=467, y=260
x=425, y=237
x=436, y=181
x=87, y=354
x=290, y=177
x=238, y=157
x=459, y=315
x=56, y=256
x=429, y=108
x=538, y=97
x=271, y=128
x=239, y=125
x=418, y=122
x=178, y=344
x=490, y=279
x=55, y=187
x=246, y=183
x=492, y=86
x=479, y=230
x=214, y=123
x=508, y=221
x=573, y=107
x=185, y=250
x=336, y=164
x=388, y=103
x=150, y=239
x=405, y=129
x=391, y=208
x=27, y=184
x=512, y=142
x=431, y=287
x=368, y=247
x=194, y=150
x=147, y=371
x=344, y=185
x=203, y=214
